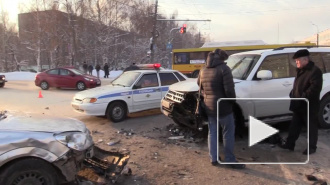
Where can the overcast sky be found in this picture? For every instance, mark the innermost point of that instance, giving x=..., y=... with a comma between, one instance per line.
x=273, y=21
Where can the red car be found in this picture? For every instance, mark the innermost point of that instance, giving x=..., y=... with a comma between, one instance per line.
x=67, y=78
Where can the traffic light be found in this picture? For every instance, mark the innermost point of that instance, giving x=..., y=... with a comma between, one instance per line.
x=183, y=29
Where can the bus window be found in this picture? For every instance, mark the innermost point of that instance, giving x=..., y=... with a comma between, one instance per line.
x=181, y=58
x=197, y=57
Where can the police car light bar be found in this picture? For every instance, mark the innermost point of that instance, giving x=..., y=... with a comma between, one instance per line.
x=149, y=66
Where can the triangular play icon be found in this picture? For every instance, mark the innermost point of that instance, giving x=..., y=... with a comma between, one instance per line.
x=259, y=131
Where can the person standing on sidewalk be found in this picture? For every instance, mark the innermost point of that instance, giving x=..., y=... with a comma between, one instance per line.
x=106, y=70
x=98, y=68
x=217, y=82
x=307, y=84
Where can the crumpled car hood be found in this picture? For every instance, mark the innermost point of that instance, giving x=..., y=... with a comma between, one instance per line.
x=40, y=123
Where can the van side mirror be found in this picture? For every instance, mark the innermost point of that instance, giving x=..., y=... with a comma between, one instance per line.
x=265, y=74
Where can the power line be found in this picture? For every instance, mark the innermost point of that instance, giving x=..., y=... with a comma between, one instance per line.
x=252, y=11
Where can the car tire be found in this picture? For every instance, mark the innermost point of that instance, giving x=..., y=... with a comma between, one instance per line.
x=44, y=85
x=81, y=86
x=324, y=113
x=195, y=74
x=117, y=111
x=29, y=171
x=2, y=85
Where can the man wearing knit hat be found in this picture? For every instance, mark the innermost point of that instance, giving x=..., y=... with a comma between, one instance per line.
x=307, y=84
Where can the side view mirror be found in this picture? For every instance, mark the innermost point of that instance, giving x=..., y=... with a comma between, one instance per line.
x=72, y=74
x=264, y=74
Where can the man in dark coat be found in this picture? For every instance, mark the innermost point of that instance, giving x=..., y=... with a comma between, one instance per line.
x=97, y=68
x=217, y=82
x=106, y=70
x=85, y=67
x=307, y=84
x=90, y=69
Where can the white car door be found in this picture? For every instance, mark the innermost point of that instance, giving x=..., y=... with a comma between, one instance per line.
x=278, y=87
x=147, y=92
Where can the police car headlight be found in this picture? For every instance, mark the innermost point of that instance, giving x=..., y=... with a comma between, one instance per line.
x=89, y=100
x=75, y=140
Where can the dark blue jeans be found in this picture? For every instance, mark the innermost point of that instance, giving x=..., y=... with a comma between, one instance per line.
x=228, y=135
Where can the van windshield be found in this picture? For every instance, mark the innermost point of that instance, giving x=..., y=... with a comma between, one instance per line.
x=241, y=65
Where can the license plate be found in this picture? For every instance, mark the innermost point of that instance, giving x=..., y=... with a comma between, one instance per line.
x=166, y=104
x=98, y=82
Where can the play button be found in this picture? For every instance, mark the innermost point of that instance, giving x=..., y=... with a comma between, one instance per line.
x=259, y=131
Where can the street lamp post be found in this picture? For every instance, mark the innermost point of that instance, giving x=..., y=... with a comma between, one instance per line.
x=317, y=35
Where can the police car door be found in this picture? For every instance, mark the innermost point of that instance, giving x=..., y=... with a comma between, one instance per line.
x=147, y=92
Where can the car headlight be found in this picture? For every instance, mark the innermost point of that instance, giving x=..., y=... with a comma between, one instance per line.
x=88, y=79
x=75, y=140
x=3, y=78
x=89, y=100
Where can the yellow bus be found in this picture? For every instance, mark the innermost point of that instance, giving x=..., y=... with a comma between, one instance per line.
x=190, y=61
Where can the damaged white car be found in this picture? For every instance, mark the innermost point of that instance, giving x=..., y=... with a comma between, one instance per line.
x=41, y=150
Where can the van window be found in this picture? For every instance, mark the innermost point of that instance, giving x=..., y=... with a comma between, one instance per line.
x=326, y=60
x=278, y=65
x=317, y=59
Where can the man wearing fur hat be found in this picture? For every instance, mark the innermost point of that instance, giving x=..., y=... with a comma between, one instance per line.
x=217, y=82
x=307, y=84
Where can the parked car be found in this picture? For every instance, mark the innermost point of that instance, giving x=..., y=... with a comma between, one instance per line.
x=135, y=90
x=41, y=150
x=2, y=80
x=257, y=74
x=66, y=77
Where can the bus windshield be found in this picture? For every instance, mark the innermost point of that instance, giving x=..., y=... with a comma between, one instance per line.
x=241, y=65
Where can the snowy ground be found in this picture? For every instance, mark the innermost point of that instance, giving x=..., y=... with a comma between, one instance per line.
x=29, y=76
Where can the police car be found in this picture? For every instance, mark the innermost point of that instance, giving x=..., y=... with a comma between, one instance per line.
x=135, y=90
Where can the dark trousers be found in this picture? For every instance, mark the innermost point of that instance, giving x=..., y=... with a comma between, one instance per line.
x=298, y=121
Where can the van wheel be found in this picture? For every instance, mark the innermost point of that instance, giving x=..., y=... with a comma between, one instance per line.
x=324, y=113
x=2, y=85
x=117, y=111
x=44, y=85
x=29, y=171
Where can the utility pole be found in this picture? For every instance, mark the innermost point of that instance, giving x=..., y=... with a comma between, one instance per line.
x=153, y=38
x=317, y=34
x=116, y=39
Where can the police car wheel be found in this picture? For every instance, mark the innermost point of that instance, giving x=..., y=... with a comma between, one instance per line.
x=117, y=111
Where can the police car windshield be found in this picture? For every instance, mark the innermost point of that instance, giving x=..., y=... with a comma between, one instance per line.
x=241, y=65
x=126, y=79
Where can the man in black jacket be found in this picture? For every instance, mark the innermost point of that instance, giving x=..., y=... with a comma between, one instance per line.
x=217, y=82
x=307, y=84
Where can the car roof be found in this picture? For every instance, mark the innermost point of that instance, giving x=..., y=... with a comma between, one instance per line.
x=283, y=50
